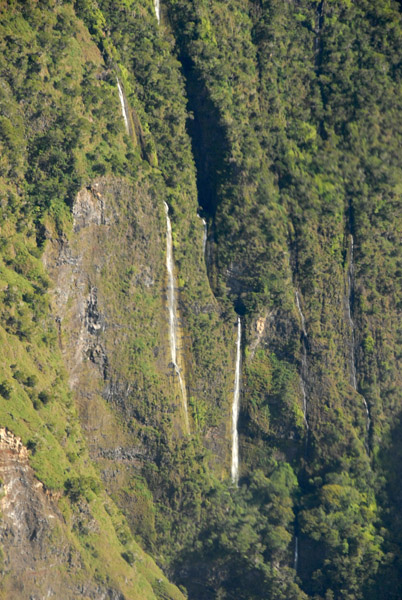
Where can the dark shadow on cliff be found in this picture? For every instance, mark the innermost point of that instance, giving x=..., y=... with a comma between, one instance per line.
x=206, y=577
x=388, y=582
x=208, y=138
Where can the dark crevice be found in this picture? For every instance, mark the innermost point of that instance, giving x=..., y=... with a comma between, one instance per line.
x=319, y=59
x=208, y=139
x=318, y=28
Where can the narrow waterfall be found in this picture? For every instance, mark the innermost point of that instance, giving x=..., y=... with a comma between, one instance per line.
x=349, y=308
x=171, y=296
x=303, y=390
x=157, y=7
x=303, y=374
x=123, y=106
x=236, y=408
x=303, y=320
x=205, y=236
x=296, y=554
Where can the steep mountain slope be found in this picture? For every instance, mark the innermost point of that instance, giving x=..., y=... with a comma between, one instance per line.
x=70, y=541
x=279, y=123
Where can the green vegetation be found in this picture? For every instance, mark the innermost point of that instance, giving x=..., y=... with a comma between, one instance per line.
x=284, y=120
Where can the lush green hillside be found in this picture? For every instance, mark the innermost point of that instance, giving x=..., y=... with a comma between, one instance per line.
x=280, y=124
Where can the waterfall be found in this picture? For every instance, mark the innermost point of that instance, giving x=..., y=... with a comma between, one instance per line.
x=205, y=236
x=303, y=320
x=349, y=308
x=236, y=408
x=303, y=390
x=296, y=555
x=368, y=420
x=303, y=374
x=157, y=7
x=171, y=296
x=123, y=106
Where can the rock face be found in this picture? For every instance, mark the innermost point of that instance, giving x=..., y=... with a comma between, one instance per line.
x=89, y=208
x=98, y=272
x=38, y=558
x=69, y=265
x=108, y=275
x=27, y=511
x=30, y=521
x=109, y=300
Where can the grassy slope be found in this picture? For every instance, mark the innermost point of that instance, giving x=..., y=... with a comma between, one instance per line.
x=63, y=117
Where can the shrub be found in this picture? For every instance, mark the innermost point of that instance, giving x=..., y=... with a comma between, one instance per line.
x=5, y=389
x=80, y=487
x=128, y=557
x=44, y=397
x=31, y=381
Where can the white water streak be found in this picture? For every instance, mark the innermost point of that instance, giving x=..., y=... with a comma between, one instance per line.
x=157, y=6
x=303, y=320
x=236, y=408
x=172, y=313
x=123, y=106
x=296, y=555
x=205, y=236
x=352, y=329
x=303, y=389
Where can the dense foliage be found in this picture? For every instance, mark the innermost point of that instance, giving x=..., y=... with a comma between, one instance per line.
x=284, y=120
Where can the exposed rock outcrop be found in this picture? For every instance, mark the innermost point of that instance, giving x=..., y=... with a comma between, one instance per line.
x=35, y=552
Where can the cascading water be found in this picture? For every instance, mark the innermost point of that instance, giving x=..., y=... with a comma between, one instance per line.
x=303, y=374
x=172, y=313
x=303, y=390
x=123, y=106
x=349, y=308
x=205, y=236
x=236, y=408
x=296, y=554
x=157, y=7
x=303, y=320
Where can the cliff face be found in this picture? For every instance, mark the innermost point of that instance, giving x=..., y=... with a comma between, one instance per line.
x=109, y=300
x=38, y=558
x=30, y=520
x=279, y=124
